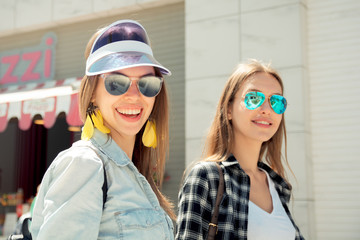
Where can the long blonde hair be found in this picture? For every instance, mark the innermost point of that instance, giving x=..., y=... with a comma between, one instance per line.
x=219, y=141
x=150, y=162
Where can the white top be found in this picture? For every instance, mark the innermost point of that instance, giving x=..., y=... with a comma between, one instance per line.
x=275, y=225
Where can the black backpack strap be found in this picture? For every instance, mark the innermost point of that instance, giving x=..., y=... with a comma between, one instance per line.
x=25, y=232
x=25, y=229
x=104, y=186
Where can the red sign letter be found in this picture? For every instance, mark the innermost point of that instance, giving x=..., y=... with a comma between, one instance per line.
x=34, y=58
x=8, y=77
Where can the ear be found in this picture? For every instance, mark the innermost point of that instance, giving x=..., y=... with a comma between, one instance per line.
x=229, y=113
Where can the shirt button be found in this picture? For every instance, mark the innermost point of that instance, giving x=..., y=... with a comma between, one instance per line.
x=157, y=208
x=148, y=222
x=144, y=182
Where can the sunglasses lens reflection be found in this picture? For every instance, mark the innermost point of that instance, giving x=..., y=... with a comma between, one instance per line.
x=254, y=100
x=278, y=104
x=150, y=86
x=117, y=85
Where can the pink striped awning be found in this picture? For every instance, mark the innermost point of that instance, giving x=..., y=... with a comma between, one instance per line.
x=48, y=99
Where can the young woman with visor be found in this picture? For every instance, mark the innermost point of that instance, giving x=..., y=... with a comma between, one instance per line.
x=103, y=186
x=245, y=139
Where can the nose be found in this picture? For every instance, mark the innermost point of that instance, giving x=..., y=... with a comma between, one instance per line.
x=133, y=90
x=265, y=108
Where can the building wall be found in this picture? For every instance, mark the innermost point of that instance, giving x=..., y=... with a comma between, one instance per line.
x=334, y=63
x=25, y=16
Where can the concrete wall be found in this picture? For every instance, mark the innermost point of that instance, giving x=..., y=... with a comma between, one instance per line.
x=27, y=15
x=334, y=60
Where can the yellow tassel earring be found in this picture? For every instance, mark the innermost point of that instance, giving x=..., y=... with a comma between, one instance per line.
x=93, y=118
x=88, y=129
x=149, y=135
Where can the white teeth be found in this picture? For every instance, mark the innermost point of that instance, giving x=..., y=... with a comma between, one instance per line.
x=262, y=122
x=129, y=111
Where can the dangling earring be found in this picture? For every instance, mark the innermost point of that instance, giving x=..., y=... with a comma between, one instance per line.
x=149, y=136
x=98, y=121
x=88, y=129
x=93, y=118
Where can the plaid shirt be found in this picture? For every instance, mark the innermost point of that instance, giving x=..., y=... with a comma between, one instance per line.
x=198, y=194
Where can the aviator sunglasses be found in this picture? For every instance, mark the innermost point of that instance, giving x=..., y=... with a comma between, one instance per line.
x=254, y=100
x=118, y=84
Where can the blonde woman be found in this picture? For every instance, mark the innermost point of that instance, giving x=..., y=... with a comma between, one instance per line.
x=103, y=186
x=245, y=139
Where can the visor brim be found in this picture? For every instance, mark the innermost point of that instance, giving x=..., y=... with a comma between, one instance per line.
x=117, y=61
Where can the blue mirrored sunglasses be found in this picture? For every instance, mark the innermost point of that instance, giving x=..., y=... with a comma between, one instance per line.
x=254, y=100
x=118, y=84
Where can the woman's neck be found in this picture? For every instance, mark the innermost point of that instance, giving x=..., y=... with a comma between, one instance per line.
x=247, y=154
x=126, y=143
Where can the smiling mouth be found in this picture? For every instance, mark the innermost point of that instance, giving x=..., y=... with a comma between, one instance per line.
x=131, y=113
x=262, y=122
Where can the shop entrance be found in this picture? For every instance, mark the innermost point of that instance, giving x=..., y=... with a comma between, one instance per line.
x=25, y=156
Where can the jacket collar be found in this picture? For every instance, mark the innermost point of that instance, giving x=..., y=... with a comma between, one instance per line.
x=109, y=147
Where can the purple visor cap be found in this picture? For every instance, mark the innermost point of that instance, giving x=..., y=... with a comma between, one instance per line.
x=123, y=44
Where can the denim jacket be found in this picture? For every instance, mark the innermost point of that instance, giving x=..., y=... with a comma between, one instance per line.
x=70, y=205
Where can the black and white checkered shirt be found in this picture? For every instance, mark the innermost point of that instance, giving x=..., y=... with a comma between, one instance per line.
x=198, y=194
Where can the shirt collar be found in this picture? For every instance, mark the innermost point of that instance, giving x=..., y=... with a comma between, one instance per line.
x=109, y=147
x=231, y=161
